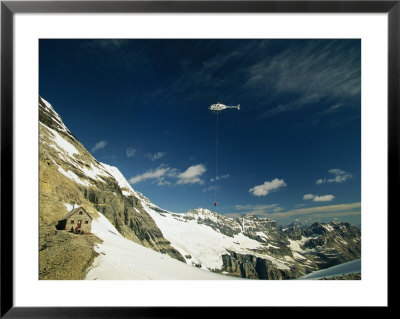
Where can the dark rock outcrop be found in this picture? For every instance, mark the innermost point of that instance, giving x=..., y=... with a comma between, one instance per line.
x=252, y=267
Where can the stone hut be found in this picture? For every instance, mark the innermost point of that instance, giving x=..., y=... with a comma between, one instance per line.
x=77, y=219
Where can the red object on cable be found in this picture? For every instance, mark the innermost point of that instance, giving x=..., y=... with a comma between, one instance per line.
x=215, y=203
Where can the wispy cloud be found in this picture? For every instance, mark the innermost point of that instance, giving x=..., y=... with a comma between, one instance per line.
x=130, y=152
x=293, y=105
x=340, y=176
x=192, y=175
x=301, y=71
x=274, y=211
x=324, y=198
x=105, y=44
x=99, y=146
x=267, y=187
x=208, y=73
x=155, y=156
x=310, y=73
x=316, y=198
x=334, y=108
x=318, y=211
x=337, y=114
x=219, y=177
x=255, y=209
x=336, y=214
x=210, y=188
x=307, y=214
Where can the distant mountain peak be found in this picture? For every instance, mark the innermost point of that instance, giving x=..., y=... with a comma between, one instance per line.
x=295, y=224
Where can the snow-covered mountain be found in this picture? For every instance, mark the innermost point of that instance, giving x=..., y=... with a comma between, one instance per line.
x=248, y=247
x=253, y=247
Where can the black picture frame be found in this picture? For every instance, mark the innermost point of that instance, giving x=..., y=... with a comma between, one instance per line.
x=9, y=8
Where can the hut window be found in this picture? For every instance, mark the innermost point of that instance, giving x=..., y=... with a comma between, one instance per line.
x=80, y=213
x=86, y=222
x=72, y=221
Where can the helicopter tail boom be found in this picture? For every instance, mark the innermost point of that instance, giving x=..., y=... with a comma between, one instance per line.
x=235, y=107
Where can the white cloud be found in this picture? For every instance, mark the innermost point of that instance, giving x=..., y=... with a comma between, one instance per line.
x=155, y=156
x=159, y=174
x=192, y=175
x=337, y=171
x=267, y=187
x=324, y=198
x=130, y=152
x=340, y=176
x=316, y=198
x=99, y=146
x=165, y=175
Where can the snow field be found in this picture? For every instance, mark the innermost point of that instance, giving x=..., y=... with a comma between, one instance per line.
x=122, y=259
x=338, y=270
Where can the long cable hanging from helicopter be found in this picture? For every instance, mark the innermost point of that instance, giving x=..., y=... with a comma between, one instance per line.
x=218, y=107
x=216, y=164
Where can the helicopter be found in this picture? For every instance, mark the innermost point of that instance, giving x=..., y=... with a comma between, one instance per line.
x=219, y=107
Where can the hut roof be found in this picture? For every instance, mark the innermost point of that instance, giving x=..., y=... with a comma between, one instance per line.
x=72, y=212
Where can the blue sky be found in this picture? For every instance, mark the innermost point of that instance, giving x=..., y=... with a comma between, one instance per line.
x=292, y=152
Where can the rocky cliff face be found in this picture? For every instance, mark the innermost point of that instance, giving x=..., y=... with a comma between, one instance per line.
x=333, y=243
x=70, y=175
x=252, y=267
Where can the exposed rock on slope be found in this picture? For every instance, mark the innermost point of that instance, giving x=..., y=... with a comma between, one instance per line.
x=250, y=266
x=64, y=255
